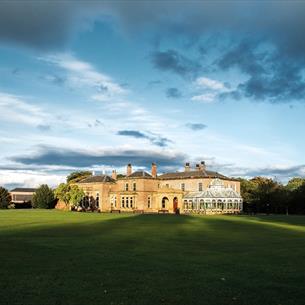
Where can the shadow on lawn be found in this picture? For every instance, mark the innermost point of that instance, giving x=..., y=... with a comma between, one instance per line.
x=152, y=259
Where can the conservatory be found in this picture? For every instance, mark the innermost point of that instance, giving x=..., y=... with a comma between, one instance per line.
x=216, y=199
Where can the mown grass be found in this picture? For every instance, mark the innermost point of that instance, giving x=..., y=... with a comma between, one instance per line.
x=55, y=257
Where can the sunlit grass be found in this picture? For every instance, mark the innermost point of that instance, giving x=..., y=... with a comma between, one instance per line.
x=55, y=257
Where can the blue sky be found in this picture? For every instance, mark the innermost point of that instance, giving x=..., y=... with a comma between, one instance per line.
x=96, y=85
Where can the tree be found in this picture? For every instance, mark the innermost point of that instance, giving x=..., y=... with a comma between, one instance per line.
x=77, y=176
x=43, y=198
x=62, y=192
x=76, y=195
x=69, y=194
x=5, y=198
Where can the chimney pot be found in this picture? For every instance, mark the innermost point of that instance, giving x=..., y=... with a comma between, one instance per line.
x=154, y=170
x=114, y=175
x=129, y=169
x=202, y=165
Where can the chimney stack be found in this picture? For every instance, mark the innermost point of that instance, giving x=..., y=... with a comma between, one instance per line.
x=202, y=166
x=154, y=170
x=129, y=170
x=114, y=175
x=198, y=167
x=187, y=167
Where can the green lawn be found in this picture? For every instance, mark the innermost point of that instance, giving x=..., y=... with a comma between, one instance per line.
x=55, y=257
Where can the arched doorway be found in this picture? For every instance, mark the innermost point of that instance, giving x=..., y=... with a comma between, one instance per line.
x=164, y=203
x=175, y=204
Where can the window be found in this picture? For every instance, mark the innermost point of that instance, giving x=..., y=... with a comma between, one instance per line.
x=123, y=202
x=131, y=202
x=167, y=185
x=185, y=204
x=200, y=186
x=127, y=203
x=126, y=187
x=149, y=202
x=97, y=199
x=134, y=186
x=201, y=204
x=182, y=186
x=114, y=201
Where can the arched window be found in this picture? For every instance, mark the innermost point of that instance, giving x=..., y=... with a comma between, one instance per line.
x=190, y=204
x=185, y=204
x=214, y=204
x=201, y=204
x=127, y=202
x=97, y=199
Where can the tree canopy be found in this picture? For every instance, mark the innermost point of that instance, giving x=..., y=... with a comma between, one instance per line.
x=43, y=198
x=265, y=195
x=77, y=176
x=5, y=198
x=69, y=194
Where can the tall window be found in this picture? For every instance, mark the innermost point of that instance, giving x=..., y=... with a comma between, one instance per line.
x=200, y=186
x=182, y=186
x=127, y=203
x=134, y=186
x=123, y=202
x=115, y=201
x=149, y=202
x=126, y=186
x=131, y=202
x=97, y=199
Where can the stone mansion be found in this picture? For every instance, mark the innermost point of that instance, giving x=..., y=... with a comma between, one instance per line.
x=192, y=191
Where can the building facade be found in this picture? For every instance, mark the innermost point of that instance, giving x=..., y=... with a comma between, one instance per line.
x=22, y=196
x=191, y=191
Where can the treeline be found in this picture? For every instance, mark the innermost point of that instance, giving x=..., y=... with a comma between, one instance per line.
x=264, y=195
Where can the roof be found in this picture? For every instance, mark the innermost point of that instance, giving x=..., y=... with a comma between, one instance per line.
x=98, y=178
x=139, y=174
x=192, y=174
x=24, y=190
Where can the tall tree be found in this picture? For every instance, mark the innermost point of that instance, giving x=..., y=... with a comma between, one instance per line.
x=5, y=198
x=76, y=195
x=77, y=176
x=62, y=192
x=43, y=198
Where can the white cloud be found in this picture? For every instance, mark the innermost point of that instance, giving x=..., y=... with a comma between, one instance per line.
x=210, y=84
x=81, y=74
x=204, y=98
x=29, y=178
x=14, y=109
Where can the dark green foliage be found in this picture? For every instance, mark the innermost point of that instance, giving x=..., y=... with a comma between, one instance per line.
x=52, y=257
x=5, y=198
x=77, y=176
x=264, y=195
x=43, y=198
